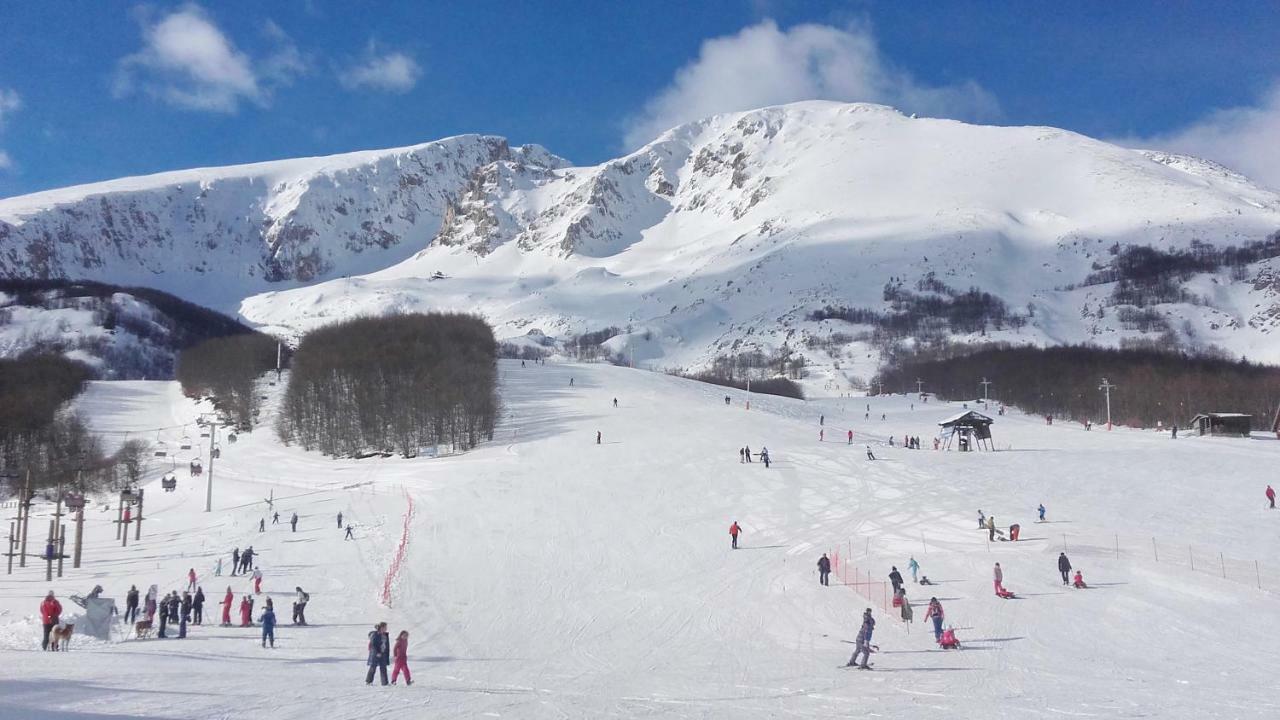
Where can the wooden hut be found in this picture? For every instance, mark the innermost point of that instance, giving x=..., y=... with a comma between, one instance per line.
x=971, y=431
x=1237, y=424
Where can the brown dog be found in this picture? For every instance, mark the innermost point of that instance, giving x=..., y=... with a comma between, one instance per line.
x=60, y=637
x=142, y=629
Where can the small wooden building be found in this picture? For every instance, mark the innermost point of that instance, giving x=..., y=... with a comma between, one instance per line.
x=1237, y=424
x=971, y=430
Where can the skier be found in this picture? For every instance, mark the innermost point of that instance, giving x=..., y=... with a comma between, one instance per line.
x=349, y=535
x=822, y=420
x=570, y=385
x=257, y=581
x=615, y=404
x=191, y=579
x=991, y=528
x=1064, y=566
x=742, y=455
x=246, y=612
x=294, y=522
x=870, y=455
x=164, y=616
x=268, y=621
x=401, y=657
x=246, y=560
x=1175, y=433
x=197, y=606
x=186, y=607
x=824, y=569
x=1041, y=510
x=131, y=605
x=764, y=457
x=226, y=607
x=982, y=521
x=1271, y=497
x=908, y=614
x=914, y=567
x=850, y=438
x=217, y=570
x=275, y=518
x=733, y=533
x=300, y=607
x=174, y=604
x=895, y=577
x=262, y=524
x=50, y=614
x=935, y=613
x=235, y=561
x=1078, y=581
x=748, y=450
x=378, y=641
x=339, y=519
x=597, y=437
x=822, y=435
x=998, y=577
x=863, y=646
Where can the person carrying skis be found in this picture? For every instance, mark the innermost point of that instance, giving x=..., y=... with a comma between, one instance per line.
x=1064, y=566
x=294, y=522
x=378, y=650
x=935, y=614
x=1271, y=497
x=197, y=606
x=998, y=576
x=401, y=656
x=257, y=581
x=914, y=567
x=863, y=643
x=131, y=605
x=895, y=577
x=50, y=614
x=1041, y=510
x=824, y=569
x=733, y=533
x=268, y=621
x=300, y=607
x=226, y=607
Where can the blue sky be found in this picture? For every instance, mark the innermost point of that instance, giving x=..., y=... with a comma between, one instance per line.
x=91, y=91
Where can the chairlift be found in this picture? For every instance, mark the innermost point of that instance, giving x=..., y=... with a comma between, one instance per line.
x=185, y=443
x=231, y=437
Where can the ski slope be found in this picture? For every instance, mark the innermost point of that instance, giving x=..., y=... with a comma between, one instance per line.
x=546, y=576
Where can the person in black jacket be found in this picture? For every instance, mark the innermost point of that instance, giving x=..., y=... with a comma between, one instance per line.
x=197, y=605
x=1064, y=567
x=379, y=653
x=895, y=577
x=131, y=605
x=824, y=569
x=186, y=607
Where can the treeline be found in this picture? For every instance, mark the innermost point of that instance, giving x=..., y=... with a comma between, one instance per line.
x=393, y=384
x=37, y=435
x=1151, y=386
x=766, y=386
x=226, y=371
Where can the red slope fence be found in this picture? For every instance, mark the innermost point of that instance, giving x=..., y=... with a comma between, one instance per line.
x=393, y=571
x=859, y=580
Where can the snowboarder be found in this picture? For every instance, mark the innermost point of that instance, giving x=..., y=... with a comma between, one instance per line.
x=401, y=657
x=935, y=613
x=1041, y=511
x=870, y=455
x=300, y=607
x=131, y=605
x=998, y=577
x=733, y=533
x=895, y=577
x=226, y=607
x=824, y=569
x=268, y=621
x=50, y=615
x=863, y=645
x=1078, y=581
x=257, y=581
x=914, y=567
x=339, y=519
x=1271, y=497
x=349, y=535
x=378, y=641
x=197, y=606
x=1064, y=566
x=294, y=522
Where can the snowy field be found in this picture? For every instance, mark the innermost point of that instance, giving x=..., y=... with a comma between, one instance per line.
x=547, y=576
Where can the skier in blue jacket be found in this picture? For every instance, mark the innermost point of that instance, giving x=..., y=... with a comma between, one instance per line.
x=268, y=621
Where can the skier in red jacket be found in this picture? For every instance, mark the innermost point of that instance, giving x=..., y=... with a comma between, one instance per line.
x=733, y=533
x=226, y=607
x=50, y=613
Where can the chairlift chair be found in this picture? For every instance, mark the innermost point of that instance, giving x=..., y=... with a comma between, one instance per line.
x=185, y=443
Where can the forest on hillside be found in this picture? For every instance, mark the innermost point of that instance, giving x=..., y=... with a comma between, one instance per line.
x=393, y=384
x=1150, y=385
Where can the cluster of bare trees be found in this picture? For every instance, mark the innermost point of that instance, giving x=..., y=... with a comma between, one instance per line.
x=226, y=370
x=1151, y=386
x=393, y=384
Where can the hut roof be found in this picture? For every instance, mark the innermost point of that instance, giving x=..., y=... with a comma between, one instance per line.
x=968, y=417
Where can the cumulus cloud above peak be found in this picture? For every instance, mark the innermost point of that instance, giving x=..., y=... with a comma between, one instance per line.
x=765, y=65
x=394, y=71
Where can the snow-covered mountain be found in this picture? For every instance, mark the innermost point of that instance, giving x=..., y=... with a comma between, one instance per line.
x=720, y=234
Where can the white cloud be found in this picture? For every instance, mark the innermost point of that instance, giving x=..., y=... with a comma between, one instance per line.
x=391, y=72
x=187, y=61
x=1246, y=139
x=6, y=162
x=10, y=102
x=764, y=65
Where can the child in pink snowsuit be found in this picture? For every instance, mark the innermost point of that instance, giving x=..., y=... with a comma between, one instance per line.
x=401, y=657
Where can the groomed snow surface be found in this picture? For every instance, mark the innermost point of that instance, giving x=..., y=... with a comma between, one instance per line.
x=546, y=576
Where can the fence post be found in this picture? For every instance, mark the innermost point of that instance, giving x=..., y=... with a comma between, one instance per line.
x=1117, y=546
x=1258, y=573
x=1224, y=565
x=1191, y=554
x=1064, y=542
x=1155, y=550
